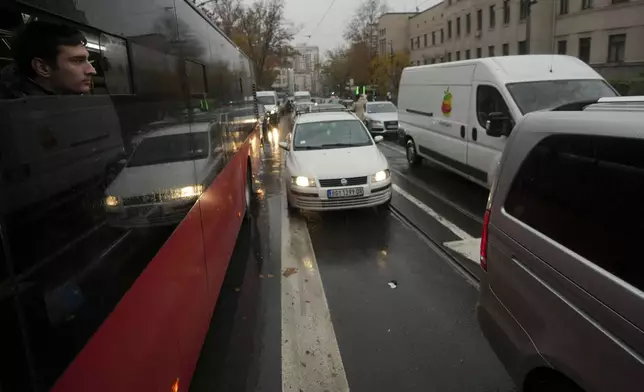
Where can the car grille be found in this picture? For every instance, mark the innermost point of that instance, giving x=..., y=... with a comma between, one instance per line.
x=351, y=181
x=145, y=199
x=391, y=124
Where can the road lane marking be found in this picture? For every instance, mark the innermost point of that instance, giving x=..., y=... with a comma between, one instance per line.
x=467, y=246
x=460, y=233
x=311, y=359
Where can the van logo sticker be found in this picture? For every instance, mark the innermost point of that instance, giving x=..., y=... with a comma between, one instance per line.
x=446, y=107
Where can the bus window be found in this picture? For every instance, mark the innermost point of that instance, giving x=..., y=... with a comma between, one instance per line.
x=115, y=64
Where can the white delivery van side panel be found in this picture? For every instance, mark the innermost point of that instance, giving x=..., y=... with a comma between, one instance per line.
x=433, y=105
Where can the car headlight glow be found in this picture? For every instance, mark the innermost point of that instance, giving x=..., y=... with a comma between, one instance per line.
x=112, y=201
x=380, y=176
x=186, y=192
x=303, y=181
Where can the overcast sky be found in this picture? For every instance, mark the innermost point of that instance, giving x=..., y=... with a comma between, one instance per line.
x=328, y=35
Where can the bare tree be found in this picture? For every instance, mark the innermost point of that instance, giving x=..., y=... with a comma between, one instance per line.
x=364, y=23
x=225, y=13
x=263, y=35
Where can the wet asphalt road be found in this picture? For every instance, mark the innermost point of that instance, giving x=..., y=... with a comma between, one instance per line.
x=401, y=303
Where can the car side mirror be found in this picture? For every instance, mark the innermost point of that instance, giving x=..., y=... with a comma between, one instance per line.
x=378, y=139
x=284, y=145
x=498, y=124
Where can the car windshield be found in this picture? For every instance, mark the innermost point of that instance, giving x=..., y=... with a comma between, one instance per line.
x=330, y=134
x=170, y=148
x=533, y=96
x=300, y=98
x=245, y=112
x=267, y=100
x=384, y=107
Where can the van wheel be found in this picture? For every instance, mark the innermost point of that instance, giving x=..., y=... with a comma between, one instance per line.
x=412, y=157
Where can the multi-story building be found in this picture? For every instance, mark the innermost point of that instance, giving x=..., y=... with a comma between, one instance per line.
x=607, y=34
x=285, y=80
x=306, y=68
x=393, y=32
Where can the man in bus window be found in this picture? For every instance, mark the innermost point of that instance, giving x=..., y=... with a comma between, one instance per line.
x=48, y=59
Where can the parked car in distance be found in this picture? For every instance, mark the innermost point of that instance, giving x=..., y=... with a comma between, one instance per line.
x=333, y=163
x=562, y=294
x=444, y=107
x=382, y=118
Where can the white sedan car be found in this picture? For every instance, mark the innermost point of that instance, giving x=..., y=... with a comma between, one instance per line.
x=333, y=163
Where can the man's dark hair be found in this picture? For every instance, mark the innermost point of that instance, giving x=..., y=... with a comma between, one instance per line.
x=42, y=39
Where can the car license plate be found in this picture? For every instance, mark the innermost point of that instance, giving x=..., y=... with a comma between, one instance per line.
x=347, y=192
x=392, y=126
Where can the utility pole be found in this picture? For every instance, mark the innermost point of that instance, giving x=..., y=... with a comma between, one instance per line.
x=528, y=24
x=393, y=71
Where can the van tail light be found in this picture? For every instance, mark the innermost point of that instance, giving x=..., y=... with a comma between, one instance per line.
x=486, y=223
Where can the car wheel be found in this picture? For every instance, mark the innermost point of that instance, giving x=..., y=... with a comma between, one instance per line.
x=412, y=156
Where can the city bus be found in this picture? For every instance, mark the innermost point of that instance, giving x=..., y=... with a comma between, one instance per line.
x=120, y=207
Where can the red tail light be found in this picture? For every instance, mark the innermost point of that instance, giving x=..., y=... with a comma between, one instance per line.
x=486, y=223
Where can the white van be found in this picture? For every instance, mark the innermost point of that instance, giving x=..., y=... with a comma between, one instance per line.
x=302, y=96
x=444, y=108
x=269, y=99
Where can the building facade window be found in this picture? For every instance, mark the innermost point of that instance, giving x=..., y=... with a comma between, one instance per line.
x=449, y=56
x=523, y=47
x=449, y=29
x=418, y=42
x=586, y=4
x=523, y=10
x=492, y=16
x=458, y=55
x=563, y=7
x=433, y=38
x=442, y=36
x=616, y=48
x=562, y=46
x=458, y=27
x=468, y=23
x=479, y=20
x=584, y=49
x=467, y=55
x=425, y=40
x=506, y=11
x=506, y=49
x=490, y=50
x=412, y=44
x=479, y=53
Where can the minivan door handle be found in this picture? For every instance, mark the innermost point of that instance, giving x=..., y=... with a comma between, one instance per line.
x=474, y=134
x=463, y=131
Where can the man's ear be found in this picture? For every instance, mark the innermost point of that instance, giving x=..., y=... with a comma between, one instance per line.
x=41, y=67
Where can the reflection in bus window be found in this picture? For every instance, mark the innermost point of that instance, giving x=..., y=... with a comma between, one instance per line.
x=170, y=148
x=115, y=64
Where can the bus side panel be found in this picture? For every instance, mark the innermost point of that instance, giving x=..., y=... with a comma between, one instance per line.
x=136, y=348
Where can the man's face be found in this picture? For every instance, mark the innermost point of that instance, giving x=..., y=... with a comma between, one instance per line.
x=74, y=71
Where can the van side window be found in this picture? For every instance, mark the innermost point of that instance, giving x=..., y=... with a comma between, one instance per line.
x=489, y=100
x=585, y=192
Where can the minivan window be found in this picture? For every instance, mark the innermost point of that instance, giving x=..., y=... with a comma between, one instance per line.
x=533, y=96
x=489, y=100
x=585, y=192
x=267, y=100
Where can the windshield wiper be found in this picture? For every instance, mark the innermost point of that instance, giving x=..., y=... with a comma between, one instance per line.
x=342, y=145
x=308, y=148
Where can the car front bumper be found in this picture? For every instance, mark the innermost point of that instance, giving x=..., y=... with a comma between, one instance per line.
x=315, y=199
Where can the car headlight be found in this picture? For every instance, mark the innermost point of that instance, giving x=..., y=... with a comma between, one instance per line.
x=303, y=181
x=186, y=192
x=112, y=201
x=380, y=176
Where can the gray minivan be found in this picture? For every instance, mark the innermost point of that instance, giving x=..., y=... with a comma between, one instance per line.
x=562, y=298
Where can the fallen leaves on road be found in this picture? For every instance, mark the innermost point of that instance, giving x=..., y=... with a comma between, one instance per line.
x=289, y=271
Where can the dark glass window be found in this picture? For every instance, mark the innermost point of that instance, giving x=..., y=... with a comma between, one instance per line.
x=616, y=48
x=562, y=46
x=506, y=49
x=584, y=49
x=489, y=100
x=506, y=11
x=584, y=192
